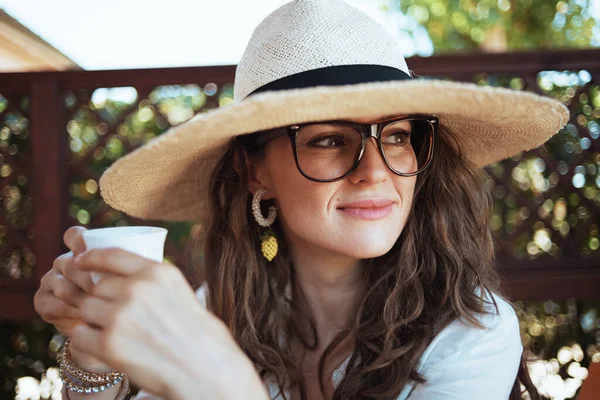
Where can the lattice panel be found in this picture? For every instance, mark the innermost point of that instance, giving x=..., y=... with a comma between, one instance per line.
x=110, y=122
x=16, y=256
x=547, y=200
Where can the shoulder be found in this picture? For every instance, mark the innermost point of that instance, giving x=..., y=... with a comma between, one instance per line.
x=468, y=363
x=501, y=332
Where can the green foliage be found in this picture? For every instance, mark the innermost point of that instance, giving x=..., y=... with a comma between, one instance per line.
x=500, y=25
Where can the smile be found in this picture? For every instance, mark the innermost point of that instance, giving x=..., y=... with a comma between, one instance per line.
x=368, y=209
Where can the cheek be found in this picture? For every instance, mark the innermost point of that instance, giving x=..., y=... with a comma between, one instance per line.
x=302, y=203
x=298, y=198
x=405, y=187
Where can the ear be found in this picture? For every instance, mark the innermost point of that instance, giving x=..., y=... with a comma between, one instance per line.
x=257, y=175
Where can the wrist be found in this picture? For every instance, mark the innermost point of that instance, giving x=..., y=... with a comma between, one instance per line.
x=88, y=363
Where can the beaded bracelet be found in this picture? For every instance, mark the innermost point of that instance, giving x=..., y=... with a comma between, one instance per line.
x=89, y=377
x=81, y=381
x=82, y=387
x=125, y=389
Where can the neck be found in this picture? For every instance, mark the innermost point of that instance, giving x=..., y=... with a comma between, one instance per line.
x=332, y=286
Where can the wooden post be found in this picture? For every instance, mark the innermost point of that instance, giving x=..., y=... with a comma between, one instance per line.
x=48, y=187
x=591, y=386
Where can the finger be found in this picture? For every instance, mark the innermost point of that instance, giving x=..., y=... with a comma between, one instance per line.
x=112, y=259
x=73, y=239
x=65, y=266
x=64, y=326
x=112, y=287
x=98, y=312
x=67, y=291
x=83, y=279
x=52, y=309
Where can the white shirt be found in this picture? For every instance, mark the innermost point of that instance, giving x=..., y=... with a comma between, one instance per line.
x=462, y=362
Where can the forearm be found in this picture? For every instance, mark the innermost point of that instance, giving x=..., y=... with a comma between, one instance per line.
x=243, y=384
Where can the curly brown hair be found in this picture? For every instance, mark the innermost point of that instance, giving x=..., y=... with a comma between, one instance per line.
x=427, y=280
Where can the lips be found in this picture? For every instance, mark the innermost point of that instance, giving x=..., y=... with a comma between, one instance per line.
x=369, y=209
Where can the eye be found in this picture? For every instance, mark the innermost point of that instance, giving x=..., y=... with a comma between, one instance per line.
x=398, y=138
x=327, y=141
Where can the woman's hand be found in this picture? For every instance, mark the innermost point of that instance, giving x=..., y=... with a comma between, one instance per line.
x=61, y=291
x=143, y=319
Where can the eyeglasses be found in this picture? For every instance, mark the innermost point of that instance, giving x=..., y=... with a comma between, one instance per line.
x=328, y=151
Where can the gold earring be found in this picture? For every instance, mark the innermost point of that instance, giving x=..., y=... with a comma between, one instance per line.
x=268, y=245
x=268, y=240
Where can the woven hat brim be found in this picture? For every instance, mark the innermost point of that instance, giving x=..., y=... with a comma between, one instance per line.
x=167, y=179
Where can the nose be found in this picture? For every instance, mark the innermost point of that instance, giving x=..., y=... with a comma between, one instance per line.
x=371, y=168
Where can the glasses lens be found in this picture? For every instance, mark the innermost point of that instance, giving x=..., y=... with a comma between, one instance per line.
x=327, y=151
x=407, y=144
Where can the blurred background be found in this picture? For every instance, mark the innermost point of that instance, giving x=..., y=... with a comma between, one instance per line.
x=84, y=83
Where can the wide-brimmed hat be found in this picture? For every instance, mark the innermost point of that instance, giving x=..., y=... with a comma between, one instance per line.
x=313, y=60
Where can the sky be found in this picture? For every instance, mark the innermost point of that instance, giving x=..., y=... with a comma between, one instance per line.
x=114, y=34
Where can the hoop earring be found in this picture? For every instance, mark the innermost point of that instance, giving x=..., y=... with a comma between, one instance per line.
x=262, y=221
x=268, y=240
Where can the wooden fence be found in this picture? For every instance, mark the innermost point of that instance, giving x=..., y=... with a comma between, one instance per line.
x=45, y=161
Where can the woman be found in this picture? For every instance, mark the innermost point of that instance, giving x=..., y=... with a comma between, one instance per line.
x=370, y=276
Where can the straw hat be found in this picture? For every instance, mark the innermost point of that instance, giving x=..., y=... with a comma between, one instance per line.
x=313, y=60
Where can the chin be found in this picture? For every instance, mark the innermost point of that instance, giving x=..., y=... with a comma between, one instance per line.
x=366, y=249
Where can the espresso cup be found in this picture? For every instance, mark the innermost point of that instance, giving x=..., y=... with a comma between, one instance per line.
x=146, y=241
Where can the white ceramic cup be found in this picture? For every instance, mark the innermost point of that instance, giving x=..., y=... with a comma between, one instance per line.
x=147, y=241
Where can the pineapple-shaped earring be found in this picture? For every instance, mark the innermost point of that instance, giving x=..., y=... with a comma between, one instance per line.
x=268, y=241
